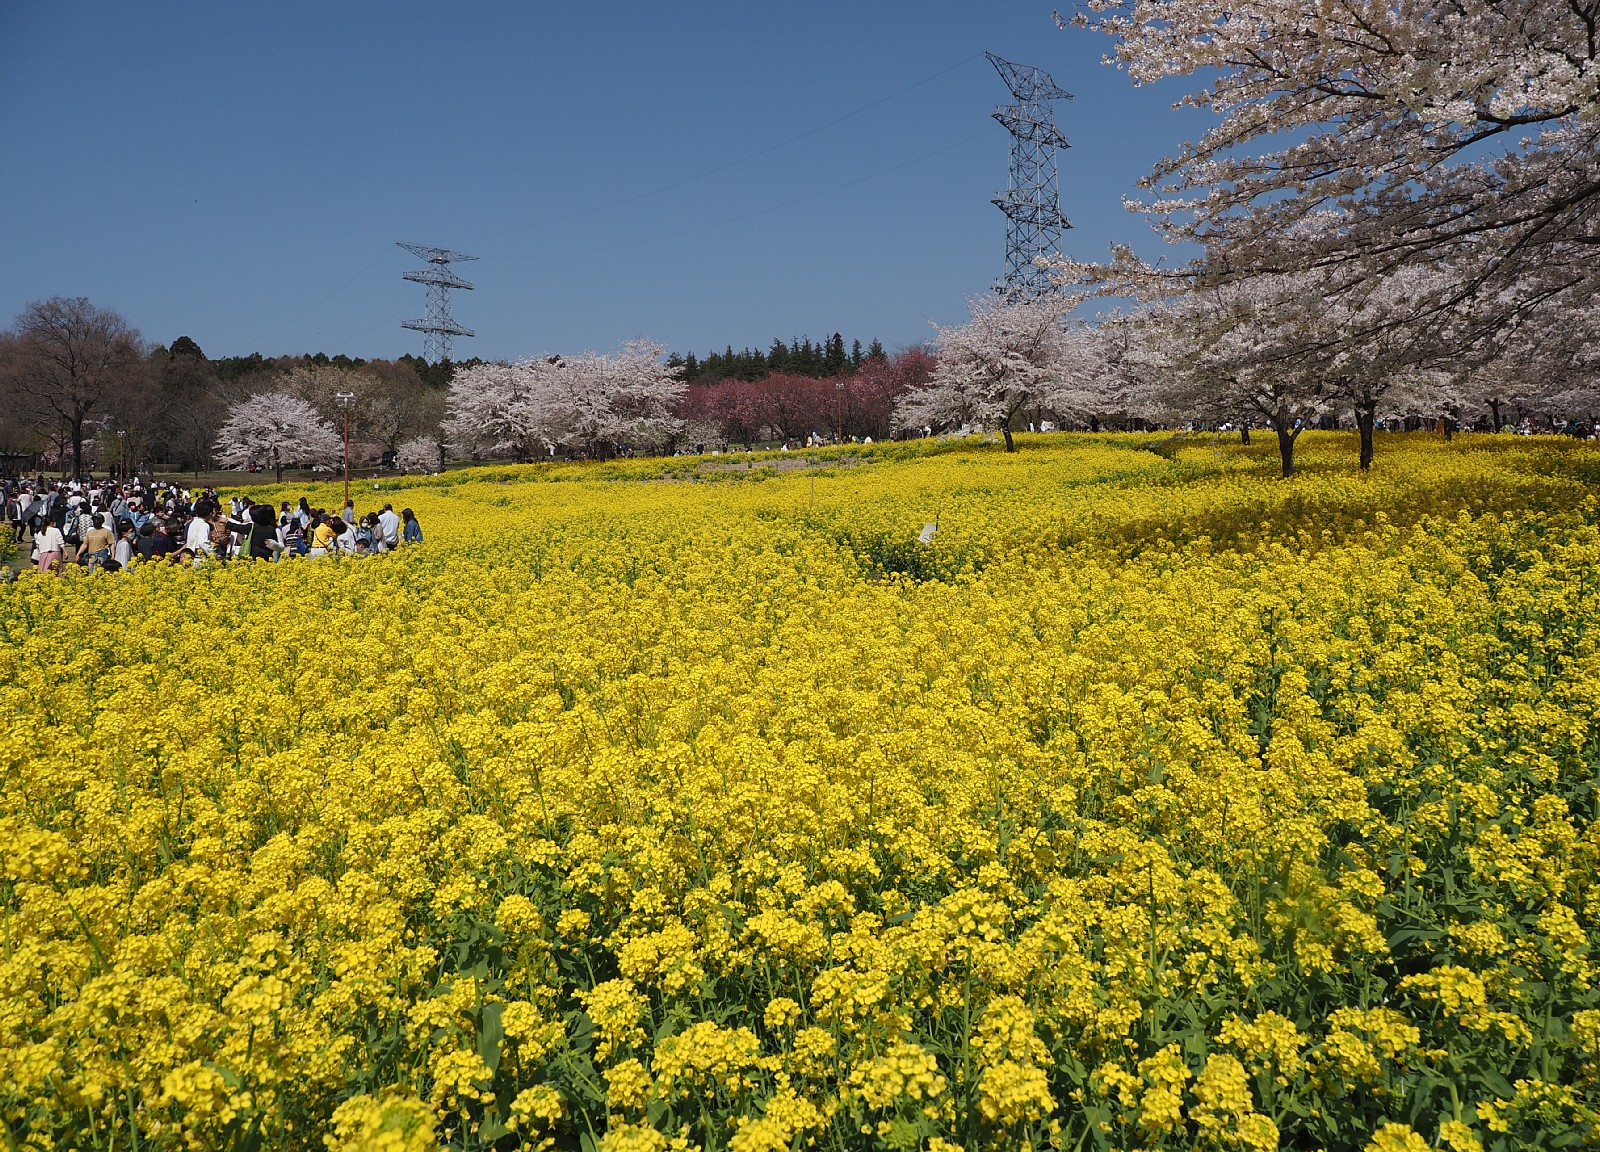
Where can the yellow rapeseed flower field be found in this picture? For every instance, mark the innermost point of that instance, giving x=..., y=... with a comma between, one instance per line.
x=1152, y=802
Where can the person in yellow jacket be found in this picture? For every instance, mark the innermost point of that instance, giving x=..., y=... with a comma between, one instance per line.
x=322, y=537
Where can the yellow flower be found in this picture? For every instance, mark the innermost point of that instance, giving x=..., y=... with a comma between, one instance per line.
x=616, y=1008
x=1396, y=1138
x=1012, y=1093
x=1459, y=1137
x=627, y=1086
x=382, y=1124
x=904, y=1073
x=780, y=1013
x=795, y=793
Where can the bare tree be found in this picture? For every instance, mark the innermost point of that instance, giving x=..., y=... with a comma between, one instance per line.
x=191, y=404
x=70, y=360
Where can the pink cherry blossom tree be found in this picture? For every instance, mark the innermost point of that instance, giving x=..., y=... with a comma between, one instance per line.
x=1356, y=139
x=1235, y=352
x=420, y=454
x=276, y=430
x=586, y=401
x=1011, y=356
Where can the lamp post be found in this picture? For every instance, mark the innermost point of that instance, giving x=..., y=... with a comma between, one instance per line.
x=107, y=423
x=122, y=456
x=838, y=407
x=347, y=401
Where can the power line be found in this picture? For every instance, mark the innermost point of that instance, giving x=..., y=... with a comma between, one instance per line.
x=751, y=214
x=315, y=304
x=254, y=342
x=771, y=148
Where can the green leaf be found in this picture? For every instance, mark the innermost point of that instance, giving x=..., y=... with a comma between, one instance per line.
x=490, y=1034
x=491, y=1129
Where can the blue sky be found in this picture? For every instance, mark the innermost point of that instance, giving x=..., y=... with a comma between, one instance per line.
x=239, y=173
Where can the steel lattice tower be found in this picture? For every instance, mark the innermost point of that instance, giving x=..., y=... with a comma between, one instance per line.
x=440, y=326
x=1034, y=222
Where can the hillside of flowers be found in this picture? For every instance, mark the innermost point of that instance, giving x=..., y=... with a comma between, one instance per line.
x=1153, y=802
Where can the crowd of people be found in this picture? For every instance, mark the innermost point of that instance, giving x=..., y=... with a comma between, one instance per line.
x=109, y=525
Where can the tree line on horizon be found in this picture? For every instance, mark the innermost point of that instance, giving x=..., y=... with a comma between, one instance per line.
x=799, y=357
x=81, y=389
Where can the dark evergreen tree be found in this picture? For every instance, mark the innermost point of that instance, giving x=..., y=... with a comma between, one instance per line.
x=835, y=362
x=233, y=367
x=183, y=346
x=799, y=357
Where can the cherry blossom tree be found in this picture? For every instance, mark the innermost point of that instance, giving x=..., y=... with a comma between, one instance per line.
x=621, y=397
x=1236, y=352
x=1357, y=139
x=501, y=409
x=419, y=454
x=1547, y=365
x=277, y=430
x=588, y=401
x=1377, y=366
x=1011, y=356
x=703, y=436
x=1136, y=357
x=872, y=391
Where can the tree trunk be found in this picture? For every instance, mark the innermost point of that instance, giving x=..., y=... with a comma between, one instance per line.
x=1366, y=418
x=1494, y=414
x=1448, y=427
x=1244, y=433
x=77, y=449
x=1011, y=445
x=1286, y=438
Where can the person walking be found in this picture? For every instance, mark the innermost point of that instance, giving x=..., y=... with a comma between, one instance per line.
x=49, y=546
x=97, y=543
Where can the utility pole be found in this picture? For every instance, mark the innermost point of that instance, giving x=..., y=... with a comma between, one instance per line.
x=347, y=401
